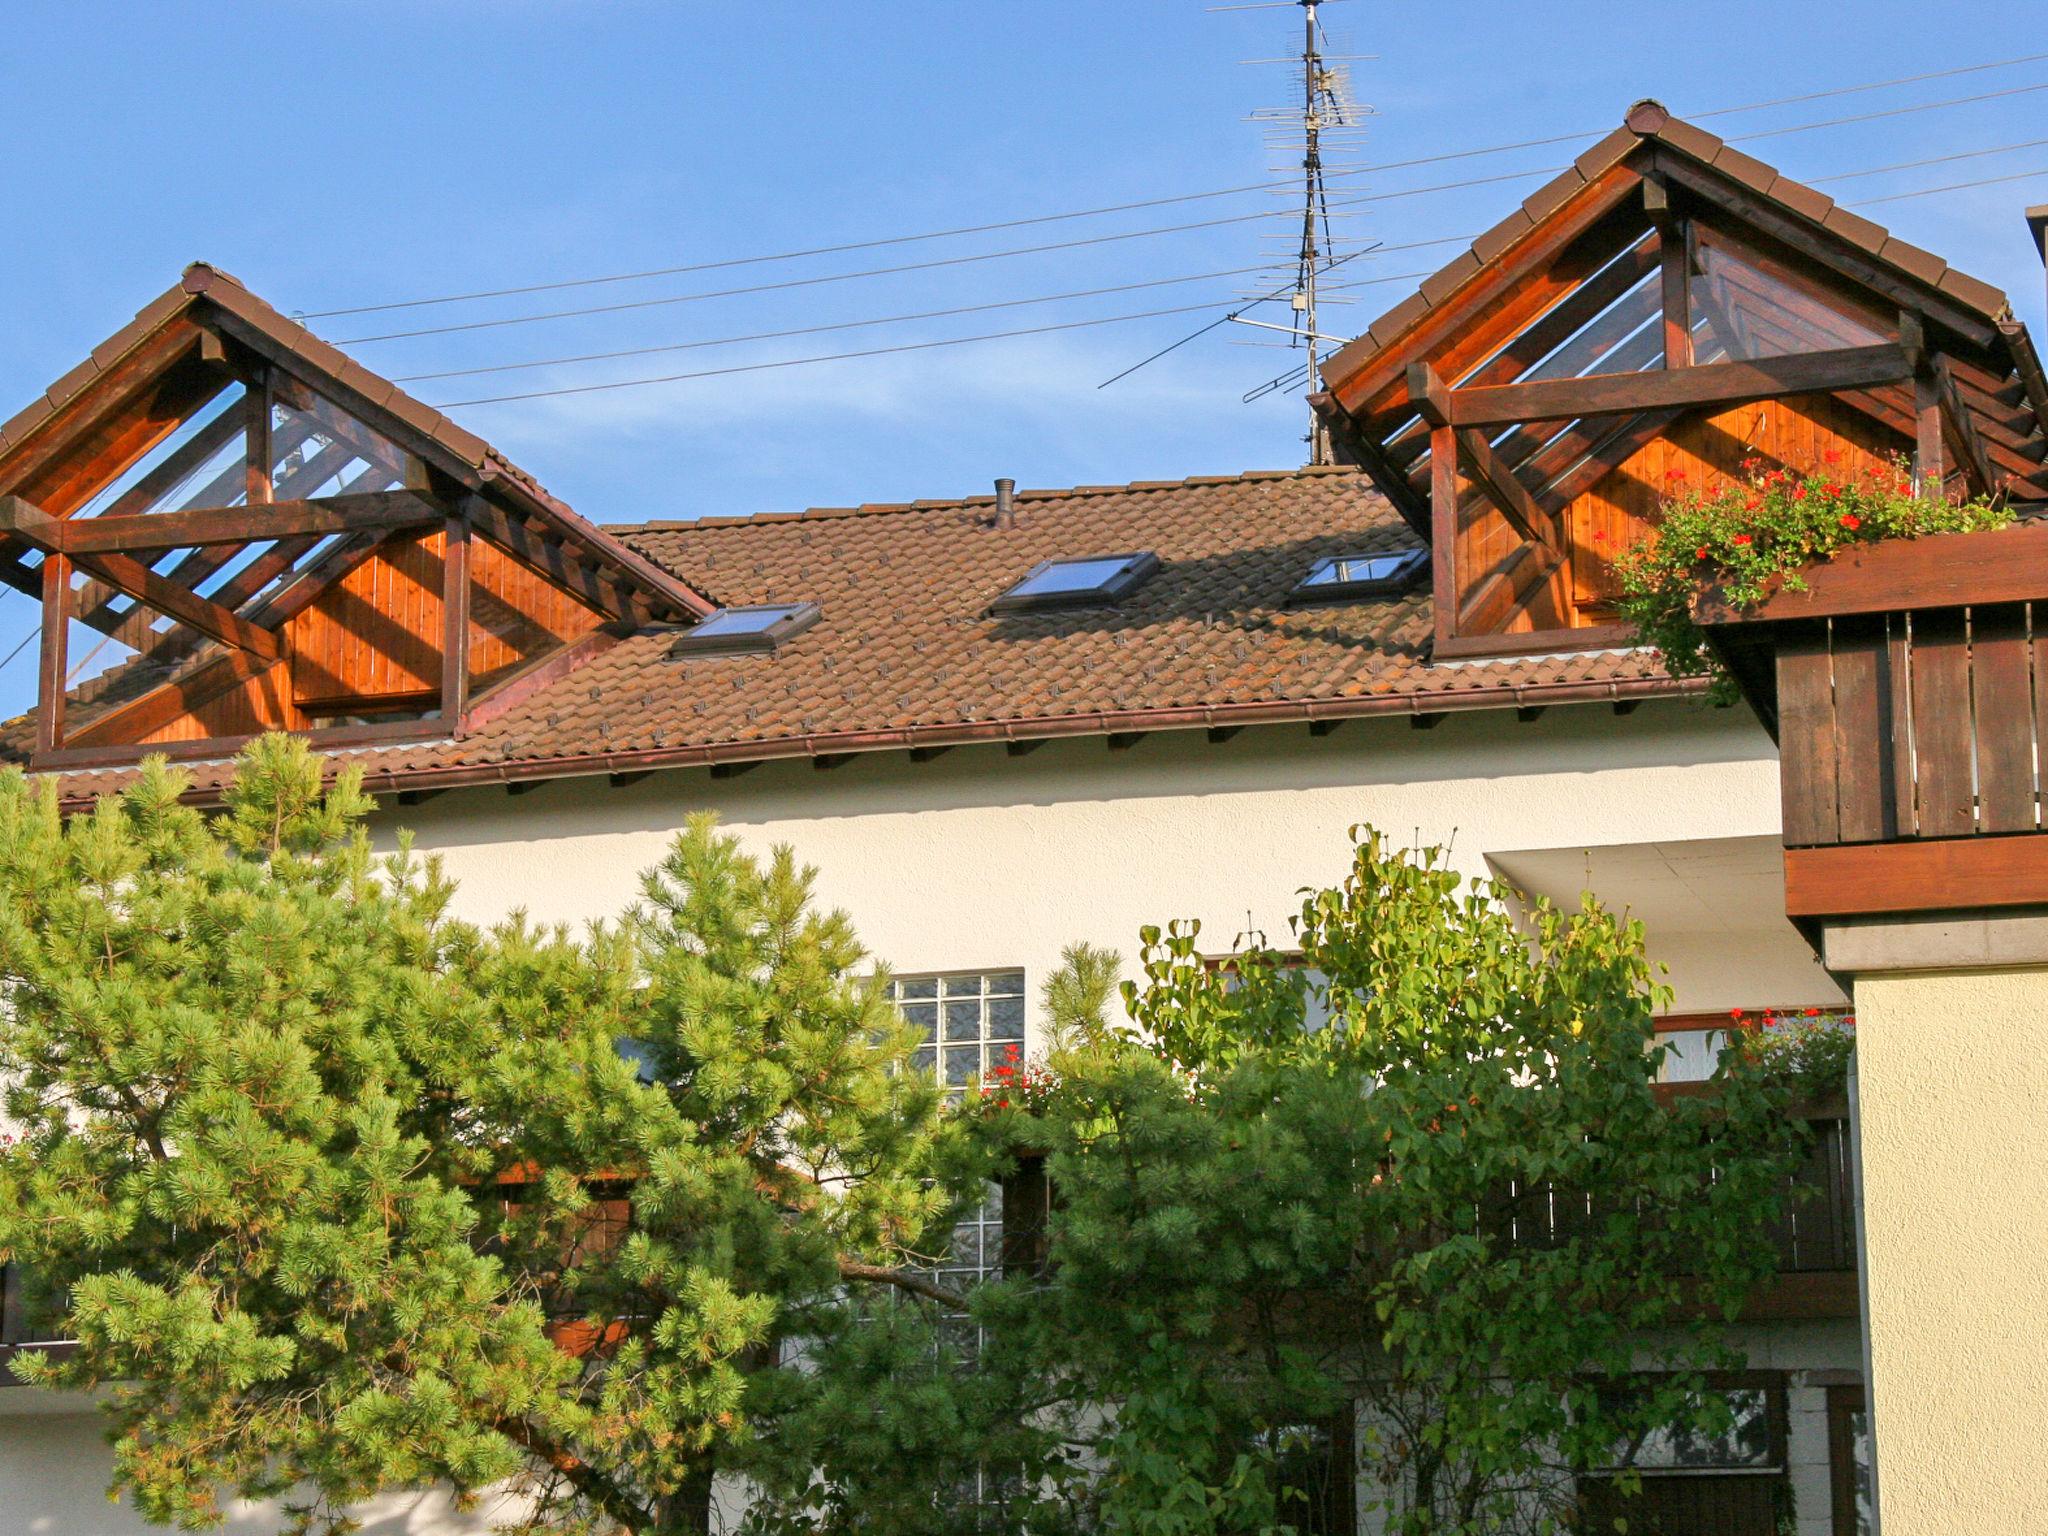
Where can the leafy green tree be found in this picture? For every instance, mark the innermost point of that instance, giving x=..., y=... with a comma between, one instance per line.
x=1458, y=1205
x=344, y=1195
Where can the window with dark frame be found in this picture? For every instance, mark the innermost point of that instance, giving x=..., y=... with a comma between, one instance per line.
x=1733, y=1479
x=745, y=630
x=1077, y=583
x=1337, y=578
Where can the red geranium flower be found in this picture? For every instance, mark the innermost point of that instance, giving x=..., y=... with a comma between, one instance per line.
x=1741, y=538
x=1851, y=520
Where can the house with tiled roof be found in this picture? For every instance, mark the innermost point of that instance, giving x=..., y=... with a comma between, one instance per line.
x=1004, y=723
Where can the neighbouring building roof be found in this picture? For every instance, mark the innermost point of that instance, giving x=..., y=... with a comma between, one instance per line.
x=907, y=654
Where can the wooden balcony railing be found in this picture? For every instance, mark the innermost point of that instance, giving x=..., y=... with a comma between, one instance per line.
x=1907, y=687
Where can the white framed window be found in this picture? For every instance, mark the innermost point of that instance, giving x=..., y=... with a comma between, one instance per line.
x=967, y=1020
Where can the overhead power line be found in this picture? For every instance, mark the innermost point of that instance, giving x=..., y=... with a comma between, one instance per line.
x=1087, y=293
x=1061, y=245
x=832, y=357
x=1954, y=186
x=815, y=330
x=812, y=282
x=1073, y=325
x=1157, y=202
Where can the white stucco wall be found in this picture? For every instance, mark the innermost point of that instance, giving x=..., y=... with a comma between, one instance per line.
x=983, y=861
x=1952, y=1078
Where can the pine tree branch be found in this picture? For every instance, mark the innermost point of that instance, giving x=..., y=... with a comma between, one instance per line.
x=580, y=1475
x=902, y=1279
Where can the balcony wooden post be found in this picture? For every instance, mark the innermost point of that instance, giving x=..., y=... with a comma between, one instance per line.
x=455, y=622
x=53, y=665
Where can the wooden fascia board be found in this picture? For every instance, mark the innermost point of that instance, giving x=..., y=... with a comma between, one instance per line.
x=1546, y=240
x=197, y=526
x=1712, y=385
x=505, y=490
x=1351, y=443
x=111, y=388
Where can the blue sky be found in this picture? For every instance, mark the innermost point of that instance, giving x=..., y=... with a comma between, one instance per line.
x=338, y=155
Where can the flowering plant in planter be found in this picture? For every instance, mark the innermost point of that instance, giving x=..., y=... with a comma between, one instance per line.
x=1752, y=537
x=1013, y=1083
x=1807, y=1049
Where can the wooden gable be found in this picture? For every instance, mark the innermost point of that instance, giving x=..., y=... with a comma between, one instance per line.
x=246, y=531
x=1667, y=308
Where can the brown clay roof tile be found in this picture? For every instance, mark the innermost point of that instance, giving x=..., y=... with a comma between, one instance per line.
x=907, y=651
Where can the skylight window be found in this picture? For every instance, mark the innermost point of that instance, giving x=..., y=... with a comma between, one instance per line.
x=737, y=631
x=1078, y=583
x=1349, y=576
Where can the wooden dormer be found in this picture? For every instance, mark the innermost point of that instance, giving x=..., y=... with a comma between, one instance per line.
x=234, y=528
x=1663, y=311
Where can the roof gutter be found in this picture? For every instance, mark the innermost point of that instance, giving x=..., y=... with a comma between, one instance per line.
x=974, y=733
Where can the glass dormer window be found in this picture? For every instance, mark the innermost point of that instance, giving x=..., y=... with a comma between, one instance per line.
x=1349, y=576
x=756, y=627
x=1078, y=582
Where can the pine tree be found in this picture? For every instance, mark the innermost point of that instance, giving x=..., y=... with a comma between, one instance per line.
x=342, y=1194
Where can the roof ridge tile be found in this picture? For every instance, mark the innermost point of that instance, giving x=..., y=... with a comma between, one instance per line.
x=982, y=499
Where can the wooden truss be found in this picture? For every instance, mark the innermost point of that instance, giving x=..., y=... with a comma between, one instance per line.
x=125, y=507
x=1662, y=280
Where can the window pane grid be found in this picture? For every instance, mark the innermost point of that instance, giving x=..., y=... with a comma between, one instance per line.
x=966, y=1023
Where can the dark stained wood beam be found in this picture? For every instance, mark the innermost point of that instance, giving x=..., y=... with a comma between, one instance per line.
x=248, y=525
x=256, y=431
x=1533, y=522
x=30, y=522
x=71, y=449
x=1351, y=443
x=552, y=560
x=52, y=665
x=1605, y=455
x=1443, y=535
x=455, y=586
x=1957, y=418
x=1714, y=386
x=139, y=717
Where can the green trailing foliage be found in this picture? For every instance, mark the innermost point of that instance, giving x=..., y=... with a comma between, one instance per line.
x=331, y=1182
x=1754, y=536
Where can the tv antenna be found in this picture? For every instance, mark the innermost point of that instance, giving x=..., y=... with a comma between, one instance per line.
x=1325, y=118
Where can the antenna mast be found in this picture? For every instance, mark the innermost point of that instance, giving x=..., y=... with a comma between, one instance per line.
x=1323, y=118
x=1314, y=91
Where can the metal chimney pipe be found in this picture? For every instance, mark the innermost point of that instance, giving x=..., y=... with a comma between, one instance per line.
x=1006, y=505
